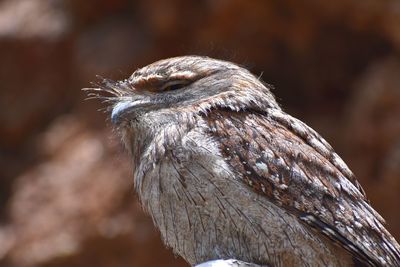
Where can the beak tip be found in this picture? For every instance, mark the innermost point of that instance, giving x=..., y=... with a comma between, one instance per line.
x=118, y=111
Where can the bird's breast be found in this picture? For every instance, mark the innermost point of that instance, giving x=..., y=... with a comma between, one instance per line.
x=204, y=211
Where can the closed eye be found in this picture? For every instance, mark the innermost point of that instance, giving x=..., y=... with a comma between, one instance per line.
x=174, y=85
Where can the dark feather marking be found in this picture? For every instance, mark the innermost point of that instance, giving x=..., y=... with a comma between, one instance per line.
x=187, y=215
x=175, y=228
x=334, y=236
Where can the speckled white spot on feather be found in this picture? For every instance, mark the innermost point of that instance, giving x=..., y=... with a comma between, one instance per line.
x=262, y=166
x=282, y=186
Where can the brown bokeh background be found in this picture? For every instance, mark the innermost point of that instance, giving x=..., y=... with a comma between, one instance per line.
x=66, y=191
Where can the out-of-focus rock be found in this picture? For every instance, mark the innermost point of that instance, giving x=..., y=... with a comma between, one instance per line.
x=81, y=192
x=374, y=113
x=381, y=17
x=26, y=19
x=35, y=79
x=374, y=132
x=35, y=66
x=114, y=47
x=89, y=12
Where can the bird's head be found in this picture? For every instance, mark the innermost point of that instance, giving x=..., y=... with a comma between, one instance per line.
x=156, y=94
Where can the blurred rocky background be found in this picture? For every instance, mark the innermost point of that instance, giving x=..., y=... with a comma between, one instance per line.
x=66, y=191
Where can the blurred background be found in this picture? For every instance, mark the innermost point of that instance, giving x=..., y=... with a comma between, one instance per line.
x=66, y=191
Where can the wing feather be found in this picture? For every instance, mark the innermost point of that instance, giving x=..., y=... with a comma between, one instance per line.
x=293, y=166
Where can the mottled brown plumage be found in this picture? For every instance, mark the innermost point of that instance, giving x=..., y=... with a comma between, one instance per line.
x=225, y=173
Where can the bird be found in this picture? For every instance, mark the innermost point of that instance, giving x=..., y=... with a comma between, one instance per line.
x=226, y=173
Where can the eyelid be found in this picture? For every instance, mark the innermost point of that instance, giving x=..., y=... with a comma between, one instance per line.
x=174, y=82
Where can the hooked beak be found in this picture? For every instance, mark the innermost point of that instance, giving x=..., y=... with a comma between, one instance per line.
x=118, y=111
x=122, y=109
